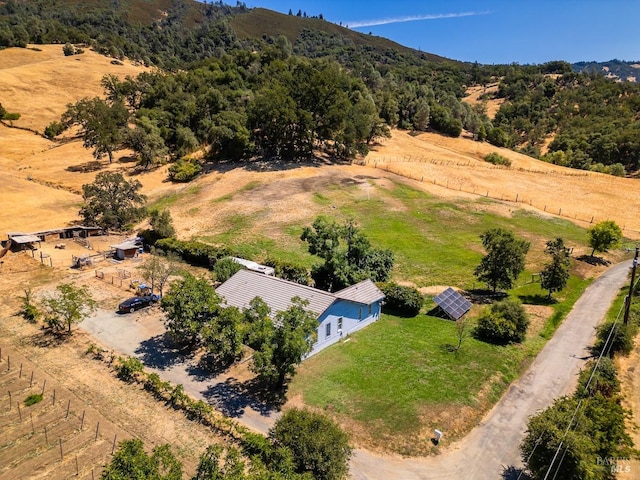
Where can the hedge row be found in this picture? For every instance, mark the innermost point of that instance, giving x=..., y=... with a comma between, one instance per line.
x=194, y=253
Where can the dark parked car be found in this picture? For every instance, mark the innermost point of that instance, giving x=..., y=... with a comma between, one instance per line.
x=134, y=303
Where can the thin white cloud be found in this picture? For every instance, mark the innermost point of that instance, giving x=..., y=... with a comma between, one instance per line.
x=414, y=18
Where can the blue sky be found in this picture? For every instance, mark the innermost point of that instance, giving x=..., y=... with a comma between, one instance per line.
x=490, y=31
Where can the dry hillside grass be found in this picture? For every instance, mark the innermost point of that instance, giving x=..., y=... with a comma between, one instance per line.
x=42, y=181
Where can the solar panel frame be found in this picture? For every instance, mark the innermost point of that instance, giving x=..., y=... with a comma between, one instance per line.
x=453, y=304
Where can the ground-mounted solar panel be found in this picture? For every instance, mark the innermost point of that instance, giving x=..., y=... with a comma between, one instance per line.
x=453, y=304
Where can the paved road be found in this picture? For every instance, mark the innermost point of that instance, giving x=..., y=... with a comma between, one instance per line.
x=483, y=454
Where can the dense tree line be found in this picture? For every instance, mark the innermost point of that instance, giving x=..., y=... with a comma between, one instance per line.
x=240, y=97
x=593, y=118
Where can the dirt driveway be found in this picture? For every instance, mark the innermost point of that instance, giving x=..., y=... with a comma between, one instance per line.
x=141, y=334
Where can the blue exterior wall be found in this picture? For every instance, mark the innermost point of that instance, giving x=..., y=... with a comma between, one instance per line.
x=354, y=317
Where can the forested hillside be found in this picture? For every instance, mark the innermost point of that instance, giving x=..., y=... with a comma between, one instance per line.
x=242, y=82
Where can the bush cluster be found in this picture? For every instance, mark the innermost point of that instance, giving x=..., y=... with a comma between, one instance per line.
x=185, y=170
x=404, y=301
x=504, y=322
x=194, y=253
x=497, y=159
x=289, y=271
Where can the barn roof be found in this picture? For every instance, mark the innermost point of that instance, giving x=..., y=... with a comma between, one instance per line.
x=364, y=292
x=23, y=238
x=277, y=293
x=127, y=245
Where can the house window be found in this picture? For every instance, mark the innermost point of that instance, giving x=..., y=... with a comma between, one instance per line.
x=360, y=313
x=370, y=309
x=328, y=330
x=340, y=324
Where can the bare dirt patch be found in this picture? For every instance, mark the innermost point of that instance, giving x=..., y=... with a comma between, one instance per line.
x=492, y=105
x=96, y=400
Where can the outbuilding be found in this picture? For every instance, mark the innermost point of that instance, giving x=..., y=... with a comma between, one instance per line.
x=127, y=249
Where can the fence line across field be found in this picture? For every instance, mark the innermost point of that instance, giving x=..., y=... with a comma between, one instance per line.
x=387, y=164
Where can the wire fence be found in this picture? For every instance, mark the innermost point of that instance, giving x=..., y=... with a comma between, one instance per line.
x=47, y=428
x=405, y=167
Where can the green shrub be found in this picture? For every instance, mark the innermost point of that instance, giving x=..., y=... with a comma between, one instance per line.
x=498, y=137
x=504, y=322
x=11, y=116
x=497, y=159
x=53, y=129
x=620, y=341
x=185, y=170
x=155, y=385
x=403, y=301
x=319, y=445
x=224, y=269
x=289, y=271
x=194, y=253
x=128, y=368
x=33, y=399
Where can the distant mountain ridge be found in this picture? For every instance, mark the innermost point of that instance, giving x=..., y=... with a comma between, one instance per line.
x=615, y=69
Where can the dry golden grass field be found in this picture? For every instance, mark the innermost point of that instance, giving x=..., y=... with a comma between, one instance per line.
x=41, y=188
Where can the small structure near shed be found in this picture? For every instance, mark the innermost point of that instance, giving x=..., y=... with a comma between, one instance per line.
x=254, y=267
x=23, y=241
x=127, y=249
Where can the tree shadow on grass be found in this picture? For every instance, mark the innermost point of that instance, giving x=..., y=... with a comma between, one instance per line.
x=155, y=353
x=87, y=167
x=514, y=473
x=595, y=261
x=233, y=397
x=538, y=299
x=483, y=296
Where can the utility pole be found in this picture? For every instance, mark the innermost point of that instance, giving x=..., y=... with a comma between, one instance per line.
x=627, y=305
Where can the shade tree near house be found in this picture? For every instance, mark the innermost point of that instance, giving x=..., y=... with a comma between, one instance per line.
x=67, y=306
x=348, y=255
x=555, y=274
x=603, y=236
x=504, y=260
x=287, y=340
x=189, y=304
x=111, y=202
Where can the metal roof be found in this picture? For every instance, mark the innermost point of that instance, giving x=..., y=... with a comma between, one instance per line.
x=24, y=238
x=364, y=292
x=277, y=293
x=128, y=245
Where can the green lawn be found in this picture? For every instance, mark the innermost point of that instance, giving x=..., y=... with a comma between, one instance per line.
x=434, y=243
x=395, y=381
x=398, y=378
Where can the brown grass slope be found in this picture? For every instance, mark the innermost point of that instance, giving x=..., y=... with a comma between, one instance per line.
x=43, y=179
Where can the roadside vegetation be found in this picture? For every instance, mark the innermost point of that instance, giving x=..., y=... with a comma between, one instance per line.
x=572, y=434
